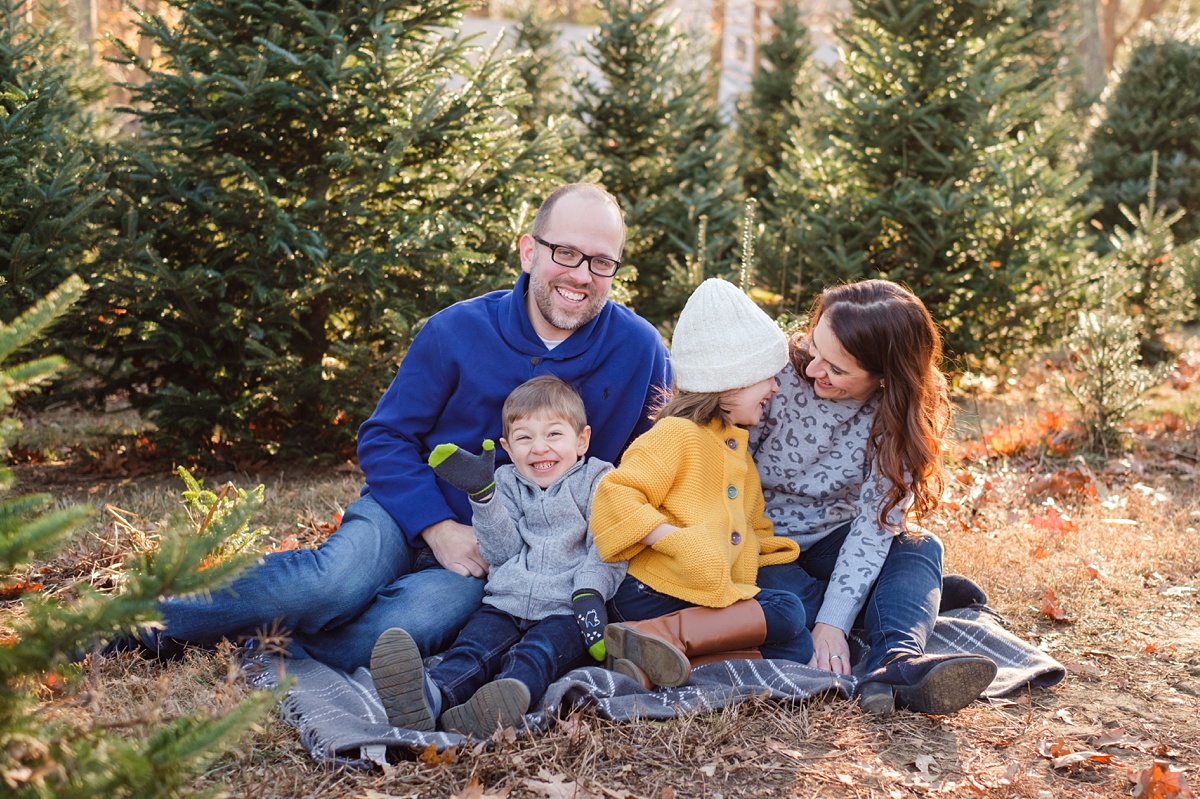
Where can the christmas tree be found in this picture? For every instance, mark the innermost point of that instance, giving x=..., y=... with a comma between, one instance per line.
x=652, y=135
x=51, y=183
x=940, y=162
x=45, y=755
x=311, y=181
x=782, y=91
x=1152, y=108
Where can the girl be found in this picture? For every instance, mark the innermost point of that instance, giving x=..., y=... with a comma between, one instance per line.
x=847, y=451
x=685, y=506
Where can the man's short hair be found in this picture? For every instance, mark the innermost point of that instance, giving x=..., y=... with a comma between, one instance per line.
x=548, y=395
x=591, y=189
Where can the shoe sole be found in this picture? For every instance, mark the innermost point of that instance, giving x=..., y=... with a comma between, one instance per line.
x=662, y=663
x=399, y=676
x=631, y=670
x=495, y=706
x=948, y=687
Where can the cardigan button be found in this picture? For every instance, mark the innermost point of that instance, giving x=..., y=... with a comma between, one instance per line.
x=736, y=538
x=731, y=492
x=535, y=360
x=731, y=443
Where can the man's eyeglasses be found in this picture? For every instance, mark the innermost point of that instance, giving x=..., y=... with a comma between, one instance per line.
x=570, y=257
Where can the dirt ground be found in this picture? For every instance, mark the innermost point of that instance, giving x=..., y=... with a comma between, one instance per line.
x=1095, y=560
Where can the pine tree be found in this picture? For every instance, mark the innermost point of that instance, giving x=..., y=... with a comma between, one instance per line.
x=1148, y=274
x=312, y=181
x=543, y=70
x=1106, y=377
x=652, y=135
x=51, y=193
x=941, y=163
x=44, y=757
x=781, y=91
x=1152, y=107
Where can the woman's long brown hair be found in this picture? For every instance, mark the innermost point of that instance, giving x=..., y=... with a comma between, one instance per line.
x=888, y=330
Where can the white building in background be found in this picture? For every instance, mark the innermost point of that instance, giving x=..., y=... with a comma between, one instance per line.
x=739, y=25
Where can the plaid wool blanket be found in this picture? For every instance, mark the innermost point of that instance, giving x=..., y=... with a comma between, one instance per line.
x=341, y=720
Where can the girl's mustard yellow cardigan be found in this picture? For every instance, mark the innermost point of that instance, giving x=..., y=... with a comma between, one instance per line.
x=703, y=481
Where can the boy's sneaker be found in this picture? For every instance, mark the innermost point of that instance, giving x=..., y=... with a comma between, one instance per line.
x=399, y=676
x=497, y=705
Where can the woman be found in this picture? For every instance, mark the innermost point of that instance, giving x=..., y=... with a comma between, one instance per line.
x=848, y=450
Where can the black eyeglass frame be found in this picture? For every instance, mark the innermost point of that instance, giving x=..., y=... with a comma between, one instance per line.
x=554, y=248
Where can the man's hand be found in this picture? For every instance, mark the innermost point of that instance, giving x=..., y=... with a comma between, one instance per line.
x=830, y=649
x=456, y=548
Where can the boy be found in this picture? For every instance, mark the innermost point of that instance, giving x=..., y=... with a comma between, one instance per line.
x=543, y=611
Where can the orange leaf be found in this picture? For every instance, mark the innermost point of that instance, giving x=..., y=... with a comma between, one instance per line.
x=1056, y=748
x=1039, y=552
x=1149, y=649
x=11, y=592
x=289, y=542
x=1161, y=781
x=431, y=757
x=1006, y=440
x=1054, y=523
x=1051, y=609
x=472, y=790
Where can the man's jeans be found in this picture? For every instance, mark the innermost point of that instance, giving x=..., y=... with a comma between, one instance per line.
x=336, y=599
x=496, y=645
x=901, y=608
x=787, y=634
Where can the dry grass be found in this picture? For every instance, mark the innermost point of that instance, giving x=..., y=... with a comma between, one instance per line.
x=1095, y=562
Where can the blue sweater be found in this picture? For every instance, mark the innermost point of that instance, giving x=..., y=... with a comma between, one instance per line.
x=462, y=365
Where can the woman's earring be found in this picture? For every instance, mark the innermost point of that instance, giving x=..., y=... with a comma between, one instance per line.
x=881, y=384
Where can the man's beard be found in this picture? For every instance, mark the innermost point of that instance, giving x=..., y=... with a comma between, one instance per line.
x=543, y=296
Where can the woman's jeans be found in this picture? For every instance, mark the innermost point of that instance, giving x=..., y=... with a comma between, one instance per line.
x=496, y=645
x=901, y=607
x=787, y=635
x=335, y=600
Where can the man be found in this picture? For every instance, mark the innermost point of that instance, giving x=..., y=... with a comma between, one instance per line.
x=405, y=554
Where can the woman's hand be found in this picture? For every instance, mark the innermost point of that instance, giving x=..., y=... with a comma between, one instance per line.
x=830, y=649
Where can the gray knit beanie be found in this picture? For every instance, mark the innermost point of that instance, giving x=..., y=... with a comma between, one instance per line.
x=724, y=341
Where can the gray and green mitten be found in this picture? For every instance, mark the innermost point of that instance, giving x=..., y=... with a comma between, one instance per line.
x=475, y=474
x=592, y=618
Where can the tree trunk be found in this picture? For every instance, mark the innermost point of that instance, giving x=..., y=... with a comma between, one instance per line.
x=717, y=49
x=1091, y=48
x=86, y=24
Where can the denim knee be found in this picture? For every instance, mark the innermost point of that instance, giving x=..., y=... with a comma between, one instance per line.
x=787, y=634
x=922, y=543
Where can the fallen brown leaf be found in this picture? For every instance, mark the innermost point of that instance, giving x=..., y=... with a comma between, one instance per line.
x=1051, y=608
x=431, y=757
x=1161, y=780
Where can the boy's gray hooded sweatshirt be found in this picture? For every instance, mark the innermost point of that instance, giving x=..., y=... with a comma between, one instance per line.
x=538, y=544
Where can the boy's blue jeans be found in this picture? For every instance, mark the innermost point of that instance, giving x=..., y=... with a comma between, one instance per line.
x=901, y=608
x=787, y=635
x=495, y=645
x=335, y=600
